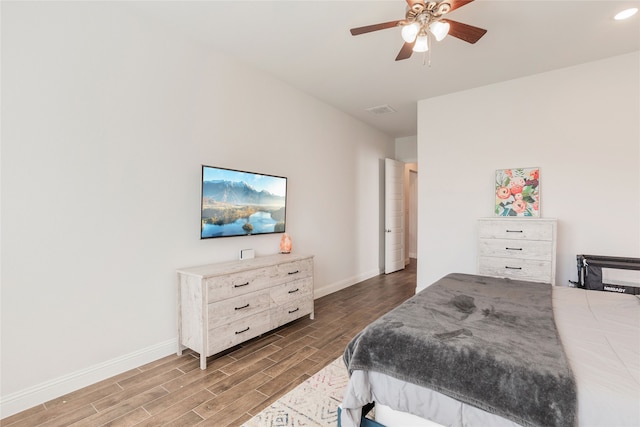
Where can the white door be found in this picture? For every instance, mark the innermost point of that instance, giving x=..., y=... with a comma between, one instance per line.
x=393, y=216
x=413, y=214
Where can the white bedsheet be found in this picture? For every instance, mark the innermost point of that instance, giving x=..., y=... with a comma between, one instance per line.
x=600, y=332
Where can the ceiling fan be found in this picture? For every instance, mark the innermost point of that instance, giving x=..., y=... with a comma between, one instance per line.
x=423, y=20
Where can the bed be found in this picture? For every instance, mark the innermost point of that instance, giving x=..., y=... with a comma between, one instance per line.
x=481, y=351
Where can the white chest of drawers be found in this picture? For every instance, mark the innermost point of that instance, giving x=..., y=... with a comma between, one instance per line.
x=523, y=249
x=222, y=305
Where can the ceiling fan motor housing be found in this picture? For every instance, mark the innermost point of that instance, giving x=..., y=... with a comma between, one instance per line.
x=425, y=12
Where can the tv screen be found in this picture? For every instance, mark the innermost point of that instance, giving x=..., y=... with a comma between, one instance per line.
x=237, y=203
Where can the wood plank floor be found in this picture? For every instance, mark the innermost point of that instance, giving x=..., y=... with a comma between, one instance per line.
x=173, y=391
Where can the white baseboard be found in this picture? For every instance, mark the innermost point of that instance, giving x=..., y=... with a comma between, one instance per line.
x=48, y=390
x=335, y=287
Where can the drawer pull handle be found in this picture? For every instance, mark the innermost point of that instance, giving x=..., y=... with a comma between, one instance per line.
x=513, y=268
x=242, y=331
x=239, y=286
x=294, y=272
x=294, y=291
x=244, y=306
x=293, y=311
x=514, y=231
x=513, y=249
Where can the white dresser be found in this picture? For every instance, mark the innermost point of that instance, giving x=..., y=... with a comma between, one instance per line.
x=222, y=305
x=523, y=249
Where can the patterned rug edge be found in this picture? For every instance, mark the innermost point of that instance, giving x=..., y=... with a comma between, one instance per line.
x=312, y=403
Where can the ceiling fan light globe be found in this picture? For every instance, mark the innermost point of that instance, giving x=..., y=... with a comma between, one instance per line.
x=439, y=29
x=410, y=32
x=422, y=44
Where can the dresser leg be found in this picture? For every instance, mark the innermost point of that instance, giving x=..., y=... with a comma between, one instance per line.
x=311, y=316
x=203, y=362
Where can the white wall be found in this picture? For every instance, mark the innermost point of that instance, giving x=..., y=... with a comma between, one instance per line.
x=580, y=125
x=407, y=149
x=106, y=121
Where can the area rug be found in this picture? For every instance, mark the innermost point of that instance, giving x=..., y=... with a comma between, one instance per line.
x=312, y=403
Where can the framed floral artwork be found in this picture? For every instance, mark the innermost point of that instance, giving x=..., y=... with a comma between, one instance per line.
x=518, y=192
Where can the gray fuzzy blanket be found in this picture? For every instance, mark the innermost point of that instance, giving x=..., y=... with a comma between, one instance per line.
x=488, y=342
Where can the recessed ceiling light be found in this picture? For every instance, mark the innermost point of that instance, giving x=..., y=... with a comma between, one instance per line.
x=628, y=13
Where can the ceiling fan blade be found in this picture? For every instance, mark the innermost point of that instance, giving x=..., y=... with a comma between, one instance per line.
x=374, y=27
x=455, y=4
x=406, y=51
x=465, y=32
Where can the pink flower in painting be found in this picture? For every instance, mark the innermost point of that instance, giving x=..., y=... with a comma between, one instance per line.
x=535, y=174
x=518, y=181
x=515, y=189
x=519, y=206
x=535, y=206
x=518, y=196
x=503, y=192
x=508, y=172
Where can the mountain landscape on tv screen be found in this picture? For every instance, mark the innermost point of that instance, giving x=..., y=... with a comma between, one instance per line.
x=231, y=208
x=239, y=193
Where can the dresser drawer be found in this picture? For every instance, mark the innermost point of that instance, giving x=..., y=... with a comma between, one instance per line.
x=516, y=229
x=226, y=336
x=231, y=285
x=510, y=248
x=516, y=268
x=290, y=291
x=290, y=311
x=233, y=309
x=293, y=270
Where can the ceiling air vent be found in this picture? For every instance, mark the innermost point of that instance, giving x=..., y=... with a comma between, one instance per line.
x=381, y=109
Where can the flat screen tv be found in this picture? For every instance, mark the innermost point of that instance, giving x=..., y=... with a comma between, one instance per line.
x=238, y=203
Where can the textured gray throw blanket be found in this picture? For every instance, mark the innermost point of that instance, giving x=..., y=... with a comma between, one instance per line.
x=488, y=342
